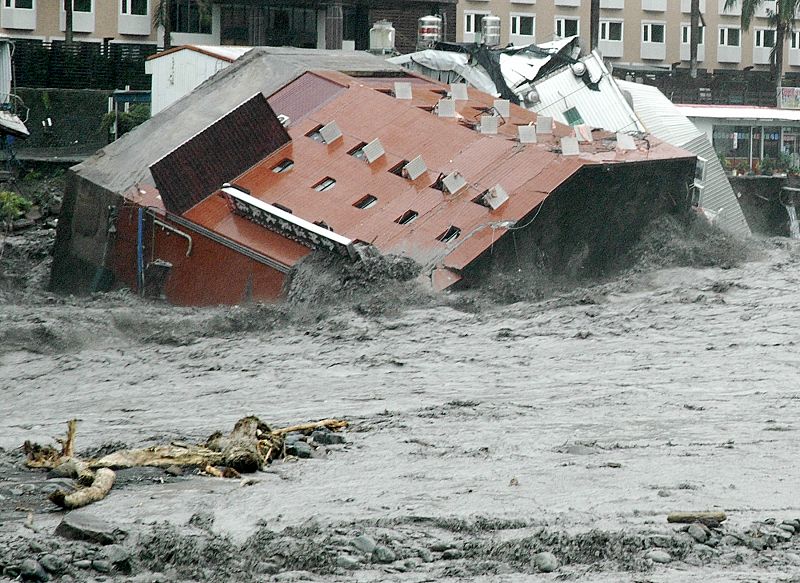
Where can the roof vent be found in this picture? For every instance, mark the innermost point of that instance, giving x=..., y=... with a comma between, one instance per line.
x=446, y=108
x=544, y=124
x=284, y=119
x=454, y=182
x=488, y=124
x=583, y=132
x=373, y=150
x=527, y=134
x=502, y=107
x=625, y=142
x=402, y=90
x=459, y=91
x=494, y=197
x=415, y=168
x=570, y=147
x=330, y=132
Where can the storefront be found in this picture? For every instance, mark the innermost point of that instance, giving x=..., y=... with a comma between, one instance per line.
x=746, y=136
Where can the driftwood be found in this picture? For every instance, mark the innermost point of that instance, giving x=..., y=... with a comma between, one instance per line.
x=248, y=448
x=707, y=518
x=101, y=486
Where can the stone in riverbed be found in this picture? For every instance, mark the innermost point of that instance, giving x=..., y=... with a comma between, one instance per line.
x=545, y=562
x=31, y=570
x=347, y=562
x=77, y=526
x=658, y=556
x=53, y=563
x=364, y=543
x=698, y=533
x=383, y=554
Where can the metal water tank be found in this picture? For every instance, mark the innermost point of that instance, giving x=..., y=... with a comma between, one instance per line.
x=381, y=37
x=429, y=31
x=490, y=27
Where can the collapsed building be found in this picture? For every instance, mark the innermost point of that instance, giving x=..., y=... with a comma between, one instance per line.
x=554, y=79
x=286, y=151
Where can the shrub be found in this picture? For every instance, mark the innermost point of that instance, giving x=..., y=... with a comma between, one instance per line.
x=12, y=206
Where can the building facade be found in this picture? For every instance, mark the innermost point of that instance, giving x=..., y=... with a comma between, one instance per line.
x=299, y=23
x=638, y=32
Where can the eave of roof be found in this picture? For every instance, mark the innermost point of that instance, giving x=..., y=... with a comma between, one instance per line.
x=224, y=53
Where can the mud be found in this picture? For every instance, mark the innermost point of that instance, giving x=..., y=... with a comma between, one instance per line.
x=490, y=424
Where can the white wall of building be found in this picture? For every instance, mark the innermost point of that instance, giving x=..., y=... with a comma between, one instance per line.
x=178, y=73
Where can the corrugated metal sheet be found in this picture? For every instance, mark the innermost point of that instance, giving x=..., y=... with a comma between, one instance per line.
x=218, y=154
x=659, y=115
x=740, y=112
x=605, y=108
x=304, y=95
x=667, y=122
x=5, y=70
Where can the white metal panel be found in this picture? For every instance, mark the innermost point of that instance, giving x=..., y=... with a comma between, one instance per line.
x=606, y=108
x=5, y=70
x=177, y=74
x=659, y=115
x=740, y=112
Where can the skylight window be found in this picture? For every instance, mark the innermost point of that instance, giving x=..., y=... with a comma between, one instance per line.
x=358, y=151
x=451, y=234
x=573, y=117
x=283, y=166
x=316, y=135
x=366, y=202
x=325, y=184
x=397, y=169
x=407, y=217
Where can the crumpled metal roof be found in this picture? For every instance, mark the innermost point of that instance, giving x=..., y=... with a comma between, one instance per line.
x=364, y=111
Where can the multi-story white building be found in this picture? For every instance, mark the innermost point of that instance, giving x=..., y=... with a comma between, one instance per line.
x=647, y=32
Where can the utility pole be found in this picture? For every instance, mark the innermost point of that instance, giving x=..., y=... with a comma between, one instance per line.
x=594, y=24
x=68, y=22
x=695, y=38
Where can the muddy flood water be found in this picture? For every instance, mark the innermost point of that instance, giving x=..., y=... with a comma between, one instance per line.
x=483, y=433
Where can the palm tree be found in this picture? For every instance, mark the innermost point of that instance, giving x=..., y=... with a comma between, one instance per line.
x=782, y=18
x=162, y=16
x=67, y=22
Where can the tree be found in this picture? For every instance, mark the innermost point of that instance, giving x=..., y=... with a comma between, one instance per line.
x=695, y=38
x=68, y=21
x=162, y=16
x=782, y=18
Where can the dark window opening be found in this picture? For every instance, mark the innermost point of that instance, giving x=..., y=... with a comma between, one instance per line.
x=573, y=116
x=283, y=166
x=365, y=202
x=80, y=5
x=428, y=108
x=450, y=234
x=397, y=169
x=438, y=184
x=325, y=184
x=358, y=151
x=316, y=135
x=386, y=91
x=481, y=199
x=406, y=218
x=285, y=209
x=190, y=16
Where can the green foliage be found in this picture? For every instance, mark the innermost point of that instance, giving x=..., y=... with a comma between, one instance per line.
x=12, y=206
x=46, y=101
x=137, y=115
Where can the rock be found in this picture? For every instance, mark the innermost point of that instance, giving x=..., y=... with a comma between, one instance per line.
x=704, y=550
x=698, y=533
x=757, y=544
x=787, y=527
x=101, y=566
x=266, y=568
x=36, y=546
x=327, y=437
x=364, y=543
x=451, y=554
x=794, y=522
x=729, y=539
x=660, y=540
x=442, y=545
x=83, y=564
x=299, y=449
x=658, y=556
x=174, y=471
x=78, y=526
x=53, y=563
x=11, y=571
x=347, y=562
x=383, y=554
x=545, y=562
x=31, y=570
x=118, y=556
x=424, y=554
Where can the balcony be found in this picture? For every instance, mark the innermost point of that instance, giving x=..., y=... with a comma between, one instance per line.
x=568, y=2
x=611, y=48
x=654, y=51
x=733, y=11
x=766, y=5
x=794, y=57
x=686, y=50
x=612, y=4
x=686, y=6
x=18, y=18
x=726, y=54
x=761, y=55
x=654, y=5
x=135, y=24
